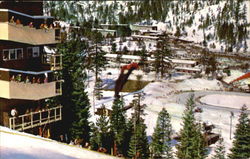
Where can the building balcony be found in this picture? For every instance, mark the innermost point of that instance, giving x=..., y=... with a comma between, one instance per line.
x=53, y=60
x=28, y=85
x=28, y=35
x=35, y=119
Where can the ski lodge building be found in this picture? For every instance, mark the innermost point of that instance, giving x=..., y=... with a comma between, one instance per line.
x=28, y=75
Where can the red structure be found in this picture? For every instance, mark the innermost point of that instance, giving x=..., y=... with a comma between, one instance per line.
x=245, y=76
x=123, y=78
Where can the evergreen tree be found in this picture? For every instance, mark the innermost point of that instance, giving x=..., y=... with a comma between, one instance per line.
x=98, y=91
x=113, y=48
x=74, y=99
x=220, y=150
x=104, y=136
x=80, y=126
x=94, y=140
x=192, y=144
x=241, y=143
x=138, y=145
x=143, y=58
x=162, y=136
x=160, y=57
x=99, y=61
x=118, y=126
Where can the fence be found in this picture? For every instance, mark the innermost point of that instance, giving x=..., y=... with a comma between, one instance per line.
x=34, y=119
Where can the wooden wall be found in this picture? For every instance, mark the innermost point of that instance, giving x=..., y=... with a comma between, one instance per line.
x=31, y=8
x=26, y=63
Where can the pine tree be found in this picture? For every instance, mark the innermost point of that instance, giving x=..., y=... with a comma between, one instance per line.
x=143, y=58
x=113, y=48
x=104, y=136
x=220, y=150
x=74, y=99
x=161, y=54
x=162, y=136
x=98, y=91
x=118, y=126
x=241, y=143
x=80, y=126
x=138, y=145
x=192, y=144
x=99, y=60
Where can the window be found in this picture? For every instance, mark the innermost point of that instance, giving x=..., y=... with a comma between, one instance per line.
x=19, y=53
x=13, y=54
x=5, y=54
x=36, y=52
x=29, y=51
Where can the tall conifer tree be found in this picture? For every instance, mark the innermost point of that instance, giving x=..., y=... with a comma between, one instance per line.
x=192, y=144
x=138, y=146
x=162, y=136
x=220, y=150
x=118, y=126
x=241, y=143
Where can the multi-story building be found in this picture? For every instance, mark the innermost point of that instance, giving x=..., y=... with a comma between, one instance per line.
x=28, y=75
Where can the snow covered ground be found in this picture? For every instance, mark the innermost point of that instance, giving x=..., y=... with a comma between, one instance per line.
x=17, y=145
x=165, y=94
x=232, y=101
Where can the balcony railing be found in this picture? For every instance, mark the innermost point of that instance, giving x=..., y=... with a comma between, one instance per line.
x=54, y=60
x=26, y=34
x=17, y=84
x=34, y=119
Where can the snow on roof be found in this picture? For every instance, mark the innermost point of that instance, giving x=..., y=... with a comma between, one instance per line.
x=150, y=31
x=188, y=68
x=180, y=52
x=183, y=61
x=48, y=50
x=123, y=56
x=18, y=145
x=146, y=37
x=138, y=25
x=114, y=24
x=133, y=57
x=106, y=30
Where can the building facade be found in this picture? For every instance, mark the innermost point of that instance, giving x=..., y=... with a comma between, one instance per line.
x=28, y=75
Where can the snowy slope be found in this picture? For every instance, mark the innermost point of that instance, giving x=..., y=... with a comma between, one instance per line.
x=17, y=145
x=180, y=14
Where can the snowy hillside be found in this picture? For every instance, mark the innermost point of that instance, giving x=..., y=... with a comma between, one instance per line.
x=202, y=22
x=17, y=145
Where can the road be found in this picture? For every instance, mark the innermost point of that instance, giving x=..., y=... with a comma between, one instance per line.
x=182, y=98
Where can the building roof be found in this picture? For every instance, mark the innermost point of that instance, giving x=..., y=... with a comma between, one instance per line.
x=103, y=30
x=26, y=15
x=145, y=37
x=25, y=72
x=188, y=68
x=179, y=61
x=132, y=57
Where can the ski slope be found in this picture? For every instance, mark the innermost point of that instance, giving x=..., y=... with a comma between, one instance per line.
x=18, y=145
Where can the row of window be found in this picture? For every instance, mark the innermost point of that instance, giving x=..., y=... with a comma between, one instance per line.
x=16, y=54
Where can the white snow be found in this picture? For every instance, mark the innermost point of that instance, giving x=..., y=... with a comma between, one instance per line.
x=199, y=84
x=232, y=101
x=17, y=145
x=163, y=94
